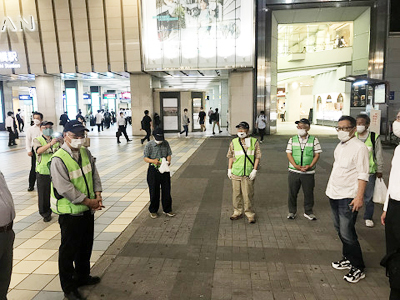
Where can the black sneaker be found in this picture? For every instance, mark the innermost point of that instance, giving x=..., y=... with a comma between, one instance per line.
x=342, y=264
x=91, y=280
x=30, y=189
x=74, y=295
x=47, y=219
x=354, y=276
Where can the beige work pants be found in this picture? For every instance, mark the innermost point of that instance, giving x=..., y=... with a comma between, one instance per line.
x=242, y=196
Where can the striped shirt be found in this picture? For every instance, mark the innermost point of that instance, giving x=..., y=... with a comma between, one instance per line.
x=303, y=143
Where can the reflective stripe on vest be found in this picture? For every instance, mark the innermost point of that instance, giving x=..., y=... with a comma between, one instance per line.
x=42, y=163
x=305, y=156
x=372, y=163
x=242, y=166
x=80, y=177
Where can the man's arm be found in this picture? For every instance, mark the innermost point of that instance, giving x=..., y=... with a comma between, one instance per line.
x=362, y=167
x=28, y=142
x=96, y=177
x=379, y=157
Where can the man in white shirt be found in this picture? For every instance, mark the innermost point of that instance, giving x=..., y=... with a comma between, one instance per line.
x=121, y=122
x=32, y=133
x=345, y=190
x=391, y=217
x=10, y=128
x=261, y=124
x=99, y=119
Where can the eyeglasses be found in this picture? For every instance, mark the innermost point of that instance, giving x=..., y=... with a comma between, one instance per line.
x=398, y=117
x=347, y=129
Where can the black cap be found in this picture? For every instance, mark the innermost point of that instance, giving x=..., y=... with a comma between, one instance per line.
x=303, y=121
x=74, y=126
x=158, y=134
x=45, y=123
x=243, y=125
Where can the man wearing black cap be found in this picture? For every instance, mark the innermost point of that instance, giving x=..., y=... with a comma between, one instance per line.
x=45, y=146
x=75, y=196
x=303, y=151
x=244, y=156
x=156, y=152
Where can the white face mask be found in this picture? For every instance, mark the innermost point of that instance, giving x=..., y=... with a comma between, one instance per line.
x=242, y=135
x=301, y=132
x=343, y=136
x=36, y=121
x=361, y=128
x=158, y=142
x=396, y=128
x=77, y=143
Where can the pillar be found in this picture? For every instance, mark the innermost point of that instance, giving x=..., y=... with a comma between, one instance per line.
x=141, y=99
x=50, y=97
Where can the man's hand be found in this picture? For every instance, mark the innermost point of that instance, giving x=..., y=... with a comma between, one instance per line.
x=230, y=173
x=357, y=203
x=156, y=162
x=379, y=175
x=299, y=168
x=305, y=168
x=30, y=154
x=253, y=175
x=383, y=218
x=53, y=142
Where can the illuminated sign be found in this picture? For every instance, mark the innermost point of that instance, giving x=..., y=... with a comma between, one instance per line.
x=8, y=60
x=126, y=95
x=110, y=96
x=25, y=97
x=18, y=24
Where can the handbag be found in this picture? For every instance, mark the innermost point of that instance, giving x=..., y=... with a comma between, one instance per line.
x=380, y=191
x=118, y=134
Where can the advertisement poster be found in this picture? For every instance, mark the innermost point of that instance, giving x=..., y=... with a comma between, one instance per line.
x=195, y=34
x=375, y=116
x=170, y=114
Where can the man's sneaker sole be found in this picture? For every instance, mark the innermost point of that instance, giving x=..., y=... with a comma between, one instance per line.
x=310, y=217
x=337, y=267
x=354, y=280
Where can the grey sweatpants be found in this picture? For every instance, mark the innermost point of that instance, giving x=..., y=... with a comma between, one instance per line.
x=307, y=182
x=6, y=261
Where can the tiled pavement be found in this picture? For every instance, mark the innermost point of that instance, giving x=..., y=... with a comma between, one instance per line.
x=201, y=254
x=123, y=174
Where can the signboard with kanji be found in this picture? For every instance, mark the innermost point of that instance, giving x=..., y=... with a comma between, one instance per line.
x=375, y=116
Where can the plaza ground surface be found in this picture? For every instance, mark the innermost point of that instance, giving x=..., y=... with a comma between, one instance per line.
x=200, y=253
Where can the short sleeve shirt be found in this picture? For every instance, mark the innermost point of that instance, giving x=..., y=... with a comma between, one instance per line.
x=146, y=122
x=154, y=151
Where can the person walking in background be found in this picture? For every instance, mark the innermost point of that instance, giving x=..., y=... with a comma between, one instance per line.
x=146, y=126
x=202, y=119
x=75, y=196
x=10, y=129
x=261, y=124
x=121, y=122
x=215, y=120
x=79, y=115
x=99, y=120
x=374, y=145
x=45, y=146
x=20, y=120
x=303, y=151
x=210, y=113
x=391, y=220
x=345, y=190
x=7, y=236
x=157, y=121
x=244, y=156
x=185, y=123
x=155, y=152
x=64, y=119
x=32, y=133
x=107, y=119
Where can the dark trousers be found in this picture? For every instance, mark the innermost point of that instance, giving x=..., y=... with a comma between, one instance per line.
x=307, y=182
x=392, y=232
x=6, y=261
x=185, y=129
x=32, y=173
x=11, y=136
x=262, y=133
x=75, y=250
x=147, y=137
x=122, y=129
x=156, y=180
x=98, y=127
x=21, y=125
x=344, y=222
x=43, y=188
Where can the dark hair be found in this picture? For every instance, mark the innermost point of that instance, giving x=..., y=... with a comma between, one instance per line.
x=65, y=112
x=262, y=112
x=146, y=112
x=365, y=117
x=19, y=109
x=352, y=121
x=98, y=110
x=185, y=109
x=216, y=110
x=38, y=114
x=201, y=107
x=10, y=113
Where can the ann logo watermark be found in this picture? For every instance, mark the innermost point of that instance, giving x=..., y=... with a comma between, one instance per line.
x=17, y=24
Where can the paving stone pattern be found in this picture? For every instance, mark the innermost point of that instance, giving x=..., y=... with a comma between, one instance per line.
x=202, y=254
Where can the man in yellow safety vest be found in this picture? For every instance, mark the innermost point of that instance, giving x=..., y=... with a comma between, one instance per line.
x=244, y=157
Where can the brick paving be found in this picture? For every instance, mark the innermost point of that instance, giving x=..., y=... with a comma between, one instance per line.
x=201, y=254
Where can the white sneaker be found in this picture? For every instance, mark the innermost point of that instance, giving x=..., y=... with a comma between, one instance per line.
x=354, y=276
x=186, y=137
x=369, y=223
x=153, y=215
x=179, y=135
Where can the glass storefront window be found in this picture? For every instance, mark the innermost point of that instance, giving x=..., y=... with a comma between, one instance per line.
x=1, y=108
x=95, y=102
x=70, y=95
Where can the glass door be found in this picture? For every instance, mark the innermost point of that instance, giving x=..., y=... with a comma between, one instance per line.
x=196, y=109
x=170, y=111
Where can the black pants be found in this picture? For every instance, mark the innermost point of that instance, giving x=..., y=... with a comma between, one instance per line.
x=11, y=136
x=32, y=173
x=392, y=232
x=43, y=188
x=122, y=129
x=75, y=250
x=108, y=122
x=6, y=261
x=21, y=126
x=185, y=130
x=297, y=180
x=156, y=180
x=262, y=133
x=98, y=127
x=147, y=137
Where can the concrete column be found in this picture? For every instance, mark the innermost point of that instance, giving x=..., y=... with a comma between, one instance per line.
x=50, y=100
x=141, y=99
x=224, y=102
x=240, y=96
